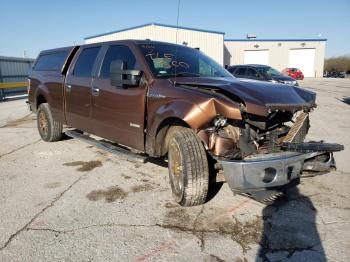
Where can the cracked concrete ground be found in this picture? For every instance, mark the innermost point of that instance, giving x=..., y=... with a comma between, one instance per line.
x=69, y=201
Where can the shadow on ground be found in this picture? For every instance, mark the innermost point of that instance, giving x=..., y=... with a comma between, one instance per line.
x=290, y=230
x=345, y=100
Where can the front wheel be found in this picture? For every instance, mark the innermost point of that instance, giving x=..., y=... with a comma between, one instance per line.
x=49, y=129
x=188, y=167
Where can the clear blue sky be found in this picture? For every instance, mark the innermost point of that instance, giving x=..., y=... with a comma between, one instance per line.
x=42, y=24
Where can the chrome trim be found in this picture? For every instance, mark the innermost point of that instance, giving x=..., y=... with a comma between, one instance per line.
x=247, y=175
x=95, y=91
x=135, y=125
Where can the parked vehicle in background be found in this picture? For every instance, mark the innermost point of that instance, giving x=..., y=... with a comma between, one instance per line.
x=261, y=73
x=172, y=101
x=335, y=74
x=293, y=72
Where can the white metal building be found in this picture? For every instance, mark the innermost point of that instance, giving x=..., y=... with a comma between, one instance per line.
x=305, y=54
x=209, y=42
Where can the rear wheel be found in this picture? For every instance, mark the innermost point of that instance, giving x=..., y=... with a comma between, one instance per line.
x=49, y=129
x=188, y=167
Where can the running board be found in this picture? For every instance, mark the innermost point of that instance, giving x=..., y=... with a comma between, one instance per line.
x=117, y=150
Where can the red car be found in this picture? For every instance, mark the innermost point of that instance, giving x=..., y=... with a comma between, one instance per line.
x=293, y=72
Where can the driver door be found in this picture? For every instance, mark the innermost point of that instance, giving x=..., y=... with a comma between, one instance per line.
x=118, y=114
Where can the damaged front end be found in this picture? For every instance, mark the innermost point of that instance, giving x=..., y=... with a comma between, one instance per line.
x=262, y=155
x=262, y=151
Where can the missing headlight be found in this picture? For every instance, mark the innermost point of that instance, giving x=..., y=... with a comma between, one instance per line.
x=220, y=121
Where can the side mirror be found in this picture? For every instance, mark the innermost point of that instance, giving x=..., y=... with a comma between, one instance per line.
x=122, y=77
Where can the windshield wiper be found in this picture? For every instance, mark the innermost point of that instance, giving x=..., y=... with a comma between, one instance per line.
x=188, y=74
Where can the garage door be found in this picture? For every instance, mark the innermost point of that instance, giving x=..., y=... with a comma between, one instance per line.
x=304, y=59
x=256, y=57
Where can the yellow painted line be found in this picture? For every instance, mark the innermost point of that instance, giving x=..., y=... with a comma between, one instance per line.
x=13, y=85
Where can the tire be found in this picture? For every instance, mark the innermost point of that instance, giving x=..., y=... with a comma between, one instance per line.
x=49, y=129
x=188, y=167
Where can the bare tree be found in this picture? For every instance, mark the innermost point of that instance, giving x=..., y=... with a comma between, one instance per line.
x=339, y=64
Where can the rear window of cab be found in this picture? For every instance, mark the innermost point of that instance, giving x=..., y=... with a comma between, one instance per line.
x=53, y=61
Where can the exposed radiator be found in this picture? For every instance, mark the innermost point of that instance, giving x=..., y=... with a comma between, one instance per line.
x=298, y=131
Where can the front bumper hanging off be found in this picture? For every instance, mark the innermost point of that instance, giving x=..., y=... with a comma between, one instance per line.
x=263, y=171
x=268, y=171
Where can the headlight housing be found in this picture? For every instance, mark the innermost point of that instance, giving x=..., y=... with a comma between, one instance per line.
x=292, y=83
x=220, y=121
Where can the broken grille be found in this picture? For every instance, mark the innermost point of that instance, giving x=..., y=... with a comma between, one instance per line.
x=298, y=131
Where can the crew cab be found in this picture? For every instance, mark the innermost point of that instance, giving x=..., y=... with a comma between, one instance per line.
x=172, y=101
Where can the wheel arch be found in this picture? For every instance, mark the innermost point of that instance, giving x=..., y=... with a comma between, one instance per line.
x=161, y=138
x=176, y=113
x=40, y=98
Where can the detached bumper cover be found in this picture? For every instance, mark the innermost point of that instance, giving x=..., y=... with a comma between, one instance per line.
x=263, y=171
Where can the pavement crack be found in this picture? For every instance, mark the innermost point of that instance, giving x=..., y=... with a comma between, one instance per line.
x=87, y=227
x=191, y=230
x=19, y=148
x=199, y=234
x=6, y=123
x=9, y=240
x=108, y=225
x=215, y=258
x=45, y=229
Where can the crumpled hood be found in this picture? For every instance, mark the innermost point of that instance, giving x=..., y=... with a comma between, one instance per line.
x=259, y=97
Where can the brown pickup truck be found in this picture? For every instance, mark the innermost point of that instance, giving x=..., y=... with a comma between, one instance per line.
x=172, y=101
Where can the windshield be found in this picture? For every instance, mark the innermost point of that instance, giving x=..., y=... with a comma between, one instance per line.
x=167, y=60
x=269, y=71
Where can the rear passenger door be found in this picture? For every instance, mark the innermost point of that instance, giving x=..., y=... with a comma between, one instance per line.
x=78, y=88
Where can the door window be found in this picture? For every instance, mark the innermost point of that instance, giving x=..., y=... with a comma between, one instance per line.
x=232, y=70
x=117, y=52
x=52, y=61
x=205, y=69
x=85, y=63
x=240, y=71
x=251, y=73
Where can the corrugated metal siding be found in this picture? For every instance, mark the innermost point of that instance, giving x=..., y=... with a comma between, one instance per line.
x=14, y=79
x=278, y=52
x=211, y=44
x=13, y=69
